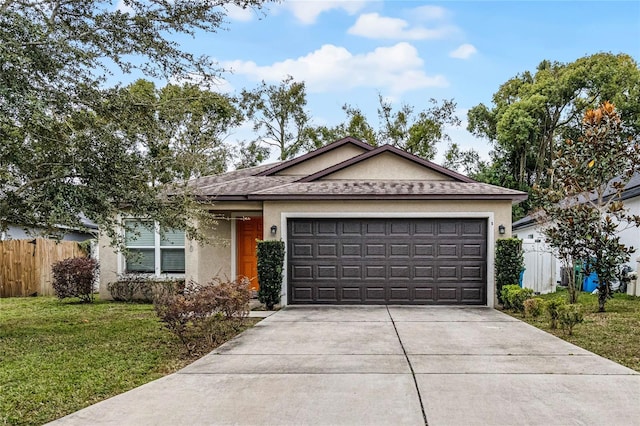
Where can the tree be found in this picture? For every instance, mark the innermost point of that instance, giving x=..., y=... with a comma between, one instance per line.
x=182, y=126
x=62, y=150
x=533, y=113
x=416, y=133
x=403, y=128
x=582, y=209
x=467, y=162
x=356, y=125
x=278, y=115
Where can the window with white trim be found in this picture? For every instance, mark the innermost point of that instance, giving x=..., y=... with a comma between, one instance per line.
x=150, y=252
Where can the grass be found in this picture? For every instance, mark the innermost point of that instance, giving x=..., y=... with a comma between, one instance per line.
x=614, y=334
x=57, y=357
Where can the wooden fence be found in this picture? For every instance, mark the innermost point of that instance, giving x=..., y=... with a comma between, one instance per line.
x=25, y=265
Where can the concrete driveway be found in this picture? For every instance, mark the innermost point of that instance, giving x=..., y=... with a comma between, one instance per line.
x=389, y=366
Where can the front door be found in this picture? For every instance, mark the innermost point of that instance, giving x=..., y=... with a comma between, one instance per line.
x=247, y=232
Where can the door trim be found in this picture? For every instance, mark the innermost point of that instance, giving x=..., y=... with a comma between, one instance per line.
x=234, y=237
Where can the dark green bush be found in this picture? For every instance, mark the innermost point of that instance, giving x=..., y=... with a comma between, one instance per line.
x=141, y=288
x=270, y=264
x=75, y=277
x=509, y=263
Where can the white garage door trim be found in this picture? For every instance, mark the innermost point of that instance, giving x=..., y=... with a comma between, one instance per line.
x=489, y=216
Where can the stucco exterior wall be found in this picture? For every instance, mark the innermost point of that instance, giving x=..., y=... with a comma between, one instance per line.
x=321, y=162
x=206, y=261
x=387, y=166
x=108, y=265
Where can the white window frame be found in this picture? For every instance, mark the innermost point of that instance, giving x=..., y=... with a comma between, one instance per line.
x=157, y=252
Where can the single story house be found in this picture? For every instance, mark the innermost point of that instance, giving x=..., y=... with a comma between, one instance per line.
x=361, y=225
x=542, y=269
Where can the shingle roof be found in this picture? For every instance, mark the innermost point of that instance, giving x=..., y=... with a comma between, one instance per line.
x=384, y=189
x=261, y=183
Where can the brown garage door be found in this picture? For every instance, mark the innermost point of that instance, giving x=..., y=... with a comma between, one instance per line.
x=387, y=261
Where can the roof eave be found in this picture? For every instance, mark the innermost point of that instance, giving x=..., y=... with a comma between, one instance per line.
x=378, y=197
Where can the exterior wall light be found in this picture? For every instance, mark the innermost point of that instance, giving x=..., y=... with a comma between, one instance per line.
x=501, y=229
x=274, y=229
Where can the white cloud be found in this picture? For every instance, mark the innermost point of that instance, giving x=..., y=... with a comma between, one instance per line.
x=237, y=13
x=429, y=13
x=397, y=68
x=372, y=25
x=307, y=11
x=463, y=51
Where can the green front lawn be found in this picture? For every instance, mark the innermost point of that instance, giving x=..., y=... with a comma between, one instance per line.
x=58, y=357
x=614, y=334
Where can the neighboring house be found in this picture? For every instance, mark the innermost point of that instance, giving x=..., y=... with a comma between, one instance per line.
x=543, y=269
x=361, y=225
x=88, y=231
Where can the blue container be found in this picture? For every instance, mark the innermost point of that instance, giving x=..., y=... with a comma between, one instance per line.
x=590, y=282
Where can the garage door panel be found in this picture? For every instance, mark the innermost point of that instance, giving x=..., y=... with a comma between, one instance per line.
x=472, y=295
x=351, y=294
x=328, y=250
x=352, y=271
x=375, y=272
x=301, y=228
x=303, y=294
x=327, y=272
x=400, y=250
x=351, y=250
x=376, y=294
x=375, y=227
x=325, y=229
x=302, y=251
x=400, y=294
x=327, y=294
x=424, y=294
x=301, y=272
x=423, y=250
x=375, y=250
x=423, y=272
x=396, y=272
x=378, y=261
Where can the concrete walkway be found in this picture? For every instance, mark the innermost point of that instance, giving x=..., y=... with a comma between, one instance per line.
x=333, y=365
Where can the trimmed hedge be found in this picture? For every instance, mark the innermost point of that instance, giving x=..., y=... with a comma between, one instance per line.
x=509, y=263
x=270, y=264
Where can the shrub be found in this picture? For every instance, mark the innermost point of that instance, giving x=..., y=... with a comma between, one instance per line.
x=509, y=263
x=270, y=264
x=230, y=298
x=514, y=297
x=75, y=277
x=553, y=307
x=132, y=287
x=200, y=311
x=533, y=307
x=569, y=315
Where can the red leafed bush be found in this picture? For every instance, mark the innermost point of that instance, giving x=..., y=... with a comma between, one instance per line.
x=75, y=277
x=205, y=313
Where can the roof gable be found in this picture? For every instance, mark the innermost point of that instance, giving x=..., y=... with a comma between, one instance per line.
x=320, y=159
x=386, y=163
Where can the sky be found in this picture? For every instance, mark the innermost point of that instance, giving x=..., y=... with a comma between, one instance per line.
x=348, y=52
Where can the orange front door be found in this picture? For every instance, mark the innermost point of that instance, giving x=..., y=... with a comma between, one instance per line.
x=247, y=232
